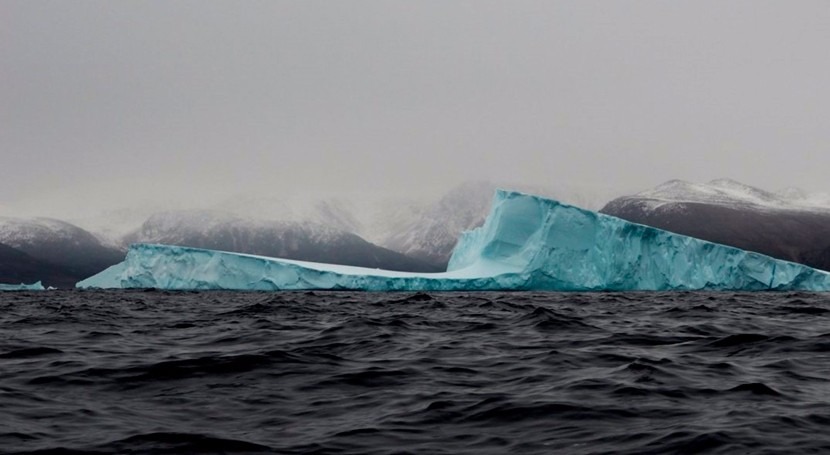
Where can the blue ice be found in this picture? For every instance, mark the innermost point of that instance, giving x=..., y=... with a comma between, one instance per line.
x=526, y=243
x=22, y=287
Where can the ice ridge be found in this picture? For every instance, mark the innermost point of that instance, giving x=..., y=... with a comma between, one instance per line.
x=526, y=243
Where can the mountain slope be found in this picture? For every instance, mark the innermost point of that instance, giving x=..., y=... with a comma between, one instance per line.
x=18, y=267
x=73, y=250
x=289, y=240
x=784, y=226
x=432, y=236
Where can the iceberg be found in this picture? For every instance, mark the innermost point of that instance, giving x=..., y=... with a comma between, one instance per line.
x=22, y=287
x=526, y=243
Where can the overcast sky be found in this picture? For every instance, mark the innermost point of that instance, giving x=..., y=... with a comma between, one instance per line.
x=103, y=101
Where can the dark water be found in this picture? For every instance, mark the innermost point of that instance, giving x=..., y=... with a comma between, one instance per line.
x=155, y=372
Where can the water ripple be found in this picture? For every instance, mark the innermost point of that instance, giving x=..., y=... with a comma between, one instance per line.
x=343, y=372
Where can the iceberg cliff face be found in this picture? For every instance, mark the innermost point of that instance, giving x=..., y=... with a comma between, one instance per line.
x=526, y=243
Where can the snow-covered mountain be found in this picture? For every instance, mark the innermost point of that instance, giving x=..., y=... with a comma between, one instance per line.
x=336, y=212
x=75, y=251
x=432, y=235
x=286, y=239
x=789, y=224
x=372, y=216
x=726, y=192
x=422, y=229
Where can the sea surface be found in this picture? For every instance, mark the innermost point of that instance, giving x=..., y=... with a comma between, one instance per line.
x=378, y=373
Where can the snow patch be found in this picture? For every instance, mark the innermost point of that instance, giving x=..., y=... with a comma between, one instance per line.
x=729, y=192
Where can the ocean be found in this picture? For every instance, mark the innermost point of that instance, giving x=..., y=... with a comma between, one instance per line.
x=383, y=373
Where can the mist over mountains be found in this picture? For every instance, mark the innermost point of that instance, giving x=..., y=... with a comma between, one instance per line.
x=307, y=241
x=402, y=234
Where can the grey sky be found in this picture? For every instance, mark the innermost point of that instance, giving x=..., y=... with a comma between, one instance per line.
x=123, y=100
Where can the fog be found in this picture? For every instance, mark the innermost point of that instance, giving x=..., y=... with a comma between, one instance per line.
x=106, y=104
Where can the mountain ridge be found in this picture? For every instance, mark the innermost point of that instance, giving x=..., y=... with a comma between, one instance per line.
x=785, y=226
x=304, y=241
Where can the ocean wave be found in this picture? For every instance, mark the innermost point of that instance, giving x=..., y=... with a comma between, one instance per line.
x=342, y=372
